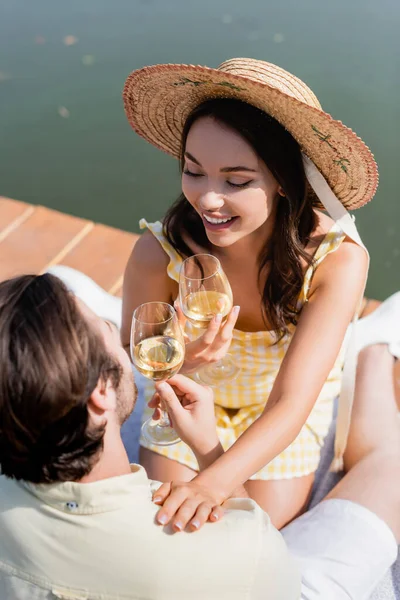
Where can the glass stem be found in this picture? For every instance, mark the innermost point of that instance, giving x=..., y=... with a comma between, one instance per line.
x=219, y=365
x=164, y=419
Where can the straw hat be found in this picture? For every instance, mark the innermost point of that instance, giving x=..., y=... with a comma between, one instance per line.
x=158, y=99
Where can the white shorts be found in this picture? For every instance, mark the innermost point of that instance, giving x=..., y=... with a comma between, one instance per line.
x=343, y=550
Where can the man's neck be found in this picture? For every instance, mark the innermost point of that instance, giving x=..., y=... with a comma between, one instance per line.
x=113, y=461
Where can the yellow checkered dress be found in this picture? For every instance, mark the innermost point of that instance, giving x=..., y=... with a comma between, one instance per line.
x=259, y=359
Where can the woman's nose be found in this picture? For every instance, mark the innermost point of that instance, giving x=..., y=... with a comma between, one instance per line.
x=211, y=201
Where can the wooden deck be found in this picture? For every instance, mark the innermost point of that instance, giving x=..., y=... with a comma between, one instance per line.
x=34, y=238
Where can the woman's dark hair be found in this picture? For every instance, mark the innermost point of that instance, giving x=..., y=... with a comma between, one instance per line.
x=51, y=360
x=295, y=215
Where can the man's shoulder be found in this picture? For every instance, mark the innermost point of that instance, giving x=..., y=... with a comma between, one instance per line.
x=244, y=544
x=125, y=543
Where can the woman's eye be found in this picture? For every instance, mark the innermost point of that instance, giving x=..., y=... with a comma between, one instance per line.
x=191, y=174
x=239, y=185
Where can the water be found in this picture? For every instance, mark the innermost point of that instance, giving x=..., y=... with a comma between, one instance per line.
x=64, y=139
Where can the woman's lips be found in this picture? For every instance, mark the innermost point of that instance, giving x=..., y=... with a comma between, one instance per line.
x=219, y=225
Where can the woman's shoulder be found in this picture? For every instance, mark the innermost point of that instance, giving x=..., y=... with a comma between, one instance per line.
x=338, y=249
x=146, y=273
x=324, y=225
x=343, y=256
x=148, y=253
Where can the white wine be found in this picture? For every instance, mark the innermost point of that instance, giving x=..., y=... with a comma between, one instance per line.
x=201, y=307
x=158, y=357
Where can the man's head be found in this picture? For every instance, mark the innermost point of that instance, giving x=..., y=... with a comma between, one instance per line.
x=64, y=378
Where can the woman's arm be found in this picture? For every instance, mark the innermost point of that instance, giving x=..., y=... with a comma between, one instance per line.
x=191, y=409
x=336, y=291
x=145, y=280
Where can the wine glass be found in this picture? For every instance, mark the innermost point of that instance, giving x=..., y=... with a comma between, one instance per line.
x=157, y=351
x=204, y=291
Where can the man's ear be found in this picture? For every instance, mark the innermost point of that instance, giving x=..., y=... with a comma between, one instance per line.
x=101, y=401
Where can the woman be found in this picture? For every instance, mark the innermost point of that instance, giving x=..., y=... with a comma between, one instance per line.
x=249, y=198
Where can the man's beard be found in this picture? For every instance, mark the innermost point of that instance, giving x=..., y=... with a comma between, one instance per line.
x=126, y=395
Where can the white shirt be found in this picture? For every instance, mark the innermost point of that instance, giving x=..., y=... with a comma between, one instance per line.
x=76, y=541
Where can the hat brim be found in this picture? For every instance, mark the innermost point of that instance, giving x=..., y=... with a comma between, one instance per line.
x=158, y=99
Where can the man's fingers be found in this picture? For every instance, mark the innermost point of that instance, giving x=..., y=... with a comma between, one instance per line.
x=155, y=401
x=184, y=385
x=167, y=396
x=162, y=493
x=156, y=414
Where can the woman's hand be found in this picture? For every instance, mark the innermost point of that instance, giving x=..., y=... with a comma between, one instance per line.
x=213, y=345
x=187, y=505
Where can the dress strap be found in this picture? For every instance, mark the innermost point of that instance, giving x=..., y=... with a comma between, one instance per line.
x=329, y=244
x=175, y=260
x=340, y=215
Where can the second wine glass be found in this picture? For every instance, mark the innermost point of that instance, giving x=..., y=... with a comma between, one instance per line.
x=157, y=351
x=204, y=292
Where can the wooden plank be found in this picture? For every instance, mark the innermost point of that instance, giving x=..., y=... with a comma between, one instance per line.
x=12, y=214
x=117, y=285
x=102, y=255
x=118, y=292
x=38, y=240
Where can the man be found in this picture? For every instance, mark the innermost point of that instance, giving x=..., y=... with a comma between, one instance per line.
x=78, y=522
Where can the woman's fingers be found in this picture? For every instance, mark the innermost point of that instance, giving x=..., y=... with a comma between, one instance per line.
x=203, y=514
x=227, y=329
x=186, y=505
x=162, y=493
x=213, y=344
x=211, y=332
x=225, y=333
x=216, y=514
x=188, y=510
x=171, y=502
x=206, y=512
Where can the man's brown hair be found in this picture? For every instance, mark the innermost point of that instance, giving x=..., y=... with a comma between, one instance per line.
x=51, y=360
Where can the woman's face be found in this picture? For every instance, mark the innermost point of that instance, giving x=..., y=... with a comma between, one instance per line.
x=227, y=183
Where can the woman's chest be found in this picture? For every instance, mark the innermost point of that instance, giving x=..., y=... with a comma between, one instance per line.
x=247, y=293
